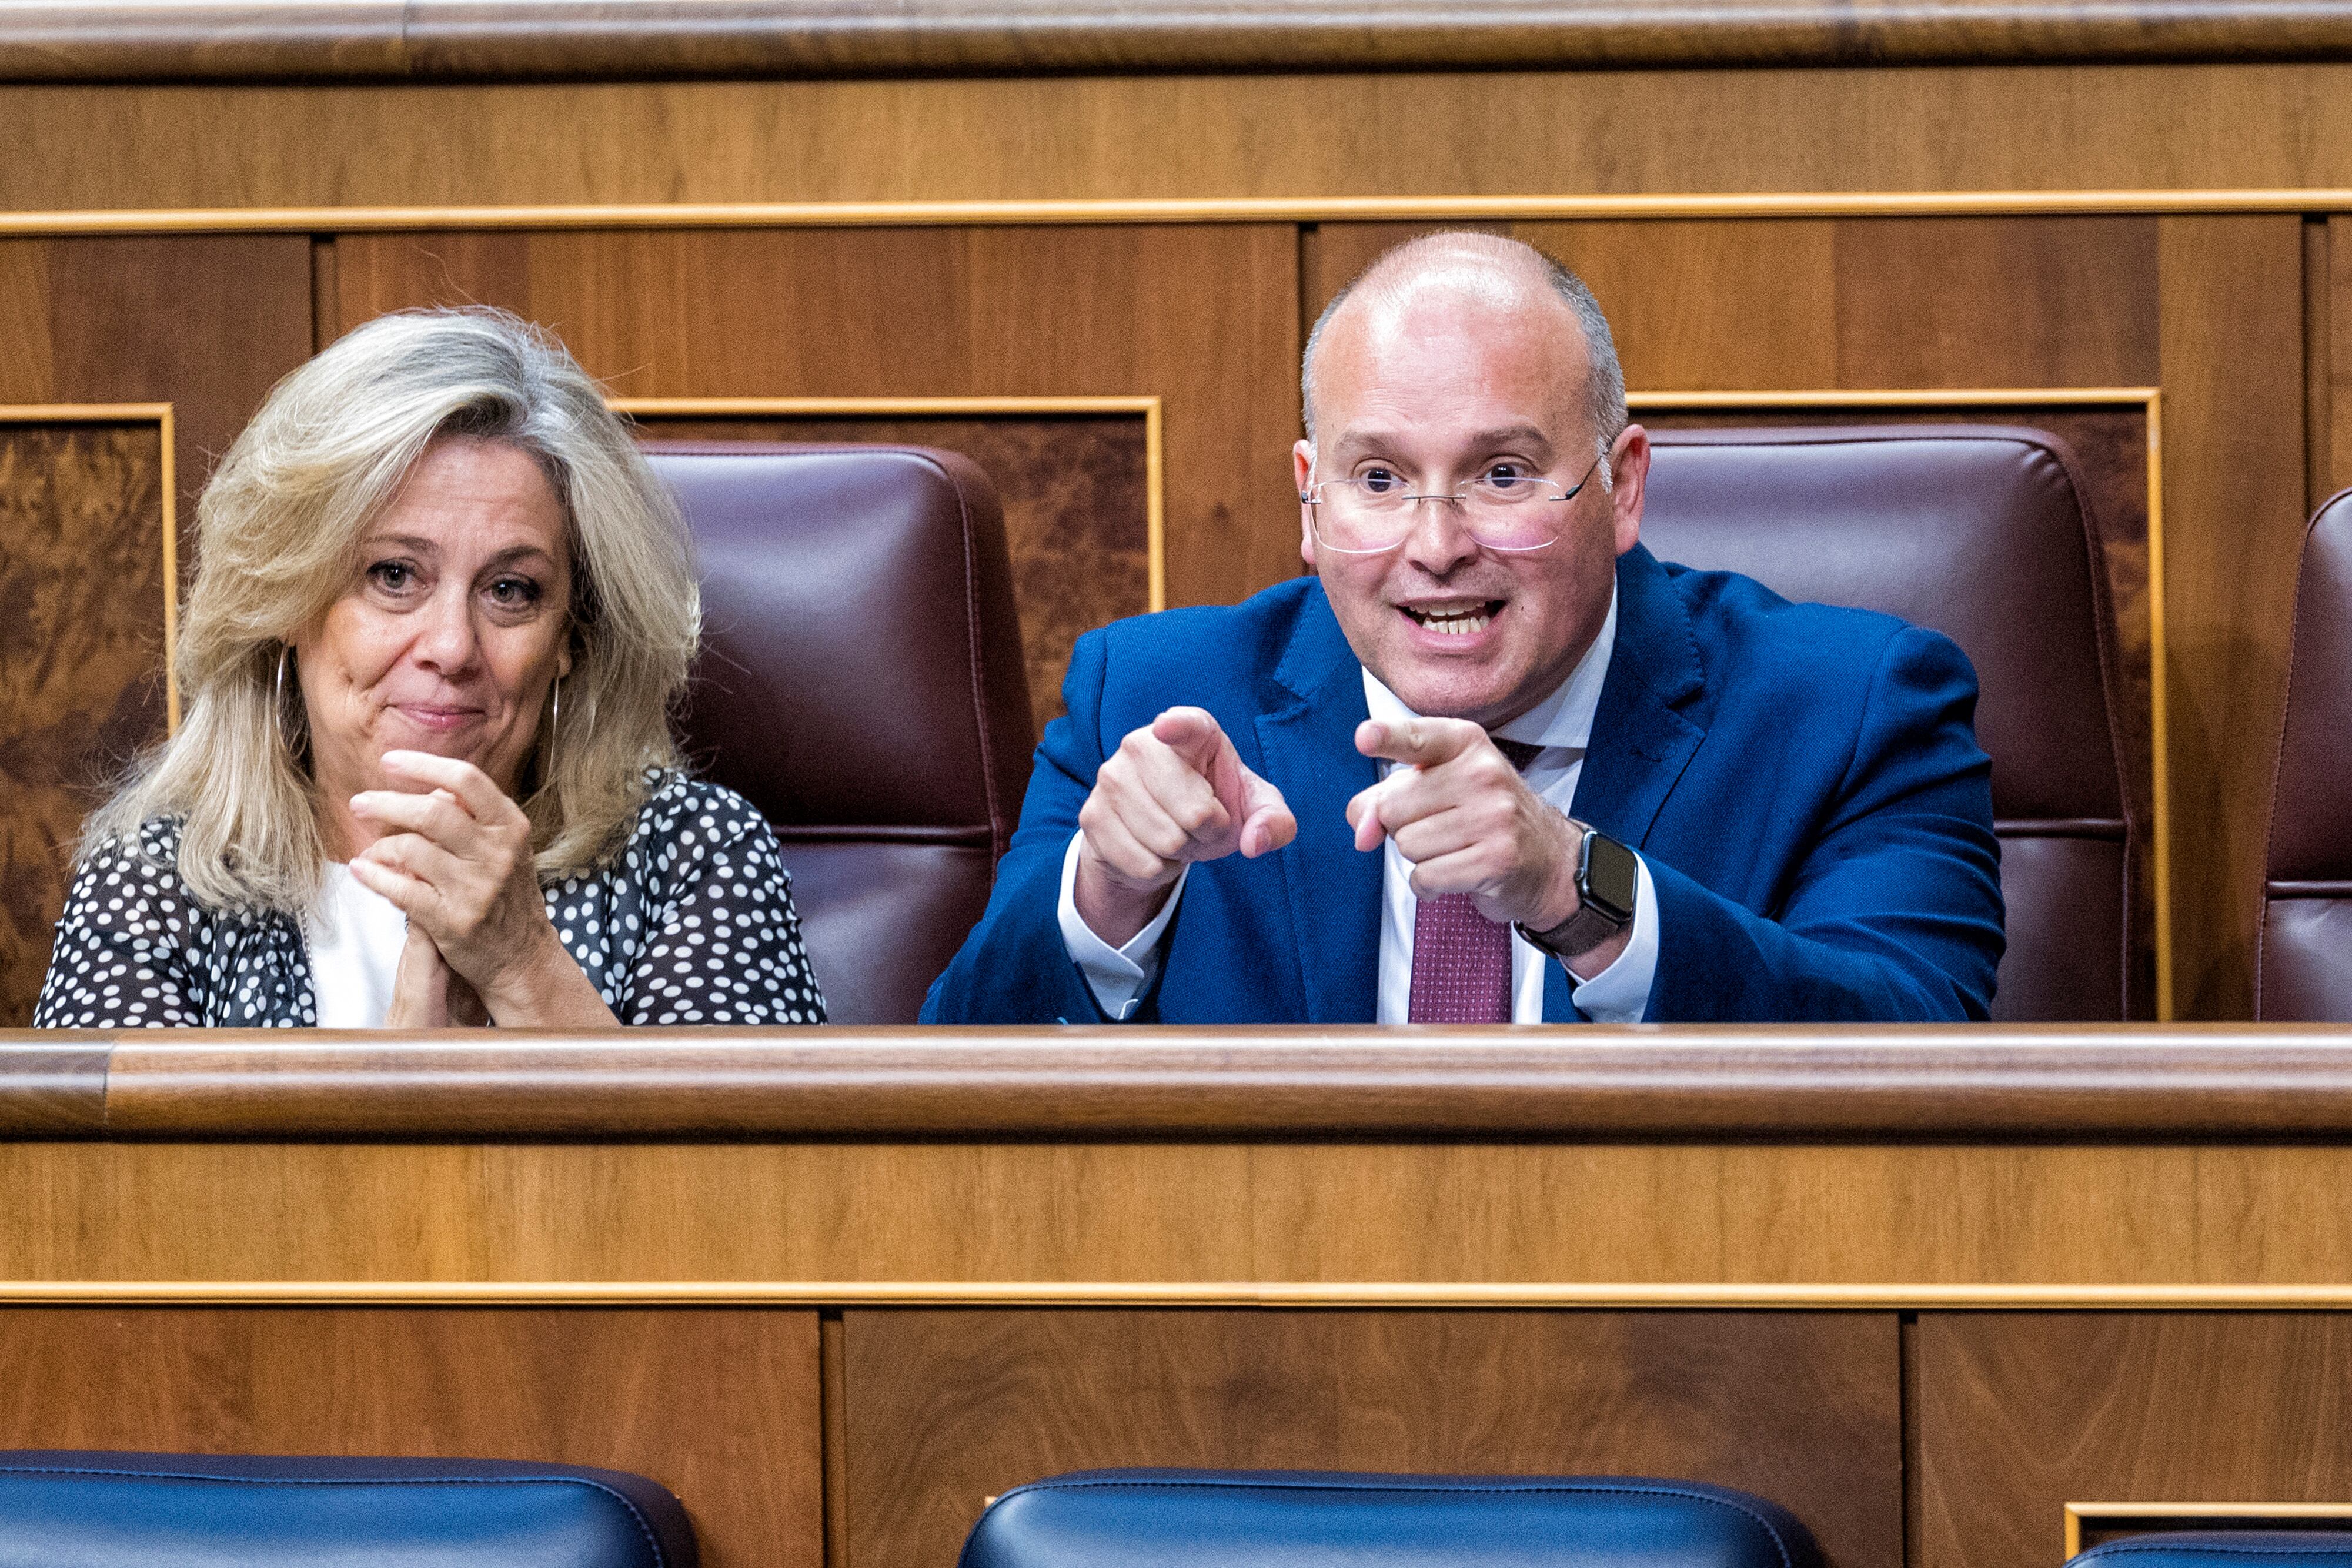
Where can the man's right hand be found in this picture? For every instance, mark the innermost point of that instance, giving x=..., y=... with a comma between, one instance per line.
x=1174, y=792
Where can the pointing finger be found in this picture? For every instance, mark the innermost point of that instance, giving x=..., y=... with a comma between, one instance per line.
x=1423, y=742
x=1192, y=734
x=1268, y=823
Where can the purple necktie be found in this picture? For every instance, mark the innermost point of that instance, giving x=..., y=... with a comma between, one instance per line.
x=1461, y=959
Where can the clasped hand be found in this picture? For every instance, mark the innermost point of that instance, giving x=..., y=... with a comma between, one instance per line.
x=1176, y=792
x=456, y=858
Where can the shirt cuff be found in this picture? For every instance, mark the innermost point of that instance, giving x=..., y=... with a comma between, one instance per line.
x=1620, y=993
x=1117, y=976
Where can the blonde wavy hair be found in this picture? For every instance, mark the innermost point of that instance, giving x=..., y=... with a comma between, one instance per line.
x=279, y=532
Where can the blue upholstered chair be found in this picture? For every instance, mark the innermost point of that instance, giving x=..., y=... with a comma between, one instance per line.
x=1248, y=1519
x=81, y=1510
x=2223, y=1549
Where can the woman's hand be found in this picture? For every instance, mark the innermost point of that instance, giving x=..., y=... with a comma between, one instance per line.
x=427, y=994
x=455, y=859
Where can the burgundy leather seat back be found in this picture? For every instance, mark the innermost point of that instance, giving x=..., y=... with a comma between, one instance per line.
x=861, y=683
x=2303, y=959
x=1983, y=533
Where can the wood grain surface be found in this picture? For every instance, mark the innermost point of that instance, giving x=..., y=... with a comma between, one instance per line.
x=927, y=313
x=202, y=324
x=83, y=596
x=1223, y=1215
x=2017, y=1415
x=52, y=1087
x=1594, y=1082
x=2226, y=127
x=309, y=40
x=721, y=1407
x=1074, y=489
x=206, y=323
x=945, y=1408
x=2230, y=301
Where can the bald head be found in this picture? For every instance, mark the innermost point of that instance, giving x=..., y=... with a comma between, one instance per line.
x=1501, y=274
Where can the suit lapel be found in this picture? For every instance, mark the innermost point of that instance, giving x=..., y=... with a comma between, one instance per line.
x=1306, y=742
x=1641, y=740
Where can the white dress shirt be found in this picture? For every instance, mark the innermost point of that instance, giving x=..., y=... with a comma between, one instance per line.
x=1562, y=725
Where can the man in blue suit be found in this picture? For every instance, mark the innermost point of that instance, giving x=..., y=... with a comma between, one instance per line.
x=1495, y=762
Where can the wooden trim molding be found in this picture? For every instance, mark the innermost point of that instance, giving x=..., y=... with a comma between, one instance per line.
x=2096, y=1513
x=132, y=413
x=1146, y=407
x=2149, y=401
x=465, y=40
x=1528, y=208
x=1737, y=1084
x=1306, y=1296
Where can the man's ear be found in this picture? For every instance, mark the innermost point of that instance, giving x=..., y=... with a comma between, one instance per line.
x=1629, y=462
x=1302, y=470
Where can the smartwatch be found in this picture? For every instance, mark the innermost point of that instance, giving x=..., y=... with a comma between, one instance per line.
x=1608, y=887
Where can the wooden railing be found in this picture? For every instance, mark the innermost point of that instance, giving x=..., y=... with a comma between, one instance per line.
x=80, y=40
x=1245, y=1084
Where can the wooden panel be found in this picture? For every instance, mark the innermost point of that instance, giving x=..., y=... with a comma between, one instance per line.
x=2032, y=128
x=721, y=1407
x=2231, y=302
x=81, y=657
x=206, y=323
x=2336, y=286
x=945, y=1408
x=1440, y=1213
x=1077, y=516
x=2016, y=302
x=932, y=312
x=2016, y=1415
x=1864, y=303
x=1693, y=305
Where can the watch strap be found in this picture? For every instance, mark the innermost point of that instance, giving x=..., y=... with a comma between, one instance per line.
x=1589, y=926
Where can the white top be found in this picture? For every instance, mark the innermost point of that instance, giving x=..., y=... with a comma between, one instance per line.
x=356, y=938
x=1562, y=725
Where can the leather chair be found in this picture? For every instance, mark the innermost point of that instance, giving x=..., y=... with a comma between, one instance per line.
x=2223, y=1549
x=2303, y=952
x=861, y=683
x=1983, y=533
x=82, y=1510
x=1243, y=1519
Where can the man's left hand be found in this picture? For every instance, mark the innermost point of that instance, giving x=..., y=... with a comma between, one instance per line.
x=1465, y=821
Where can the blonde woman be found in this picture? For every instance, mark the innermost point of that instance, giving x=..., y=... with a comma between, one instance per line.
x=442, y=612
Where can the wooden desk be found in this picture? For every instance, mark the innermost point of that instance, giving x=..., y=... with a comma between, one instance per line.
x=1924, y=1287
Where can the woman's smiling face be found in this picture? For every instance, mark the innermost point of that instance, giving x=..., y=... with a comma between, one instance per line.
x=454, y=627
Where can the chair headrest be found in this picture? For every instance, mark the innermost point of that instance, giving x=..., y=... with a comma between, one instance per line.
x=75, y=1509
x=1229, y=1519
x=1980, y=532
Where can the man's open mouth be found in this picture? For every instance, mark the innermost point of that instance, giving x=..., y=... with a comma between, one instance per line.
x=1456, y=619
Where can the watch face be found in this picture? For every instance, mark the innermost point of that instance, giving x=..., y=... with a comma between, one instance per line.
x=1612, y=877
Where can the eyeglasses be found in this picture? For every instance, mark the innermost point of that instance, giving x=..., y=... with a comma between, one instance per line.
x=1503, y=509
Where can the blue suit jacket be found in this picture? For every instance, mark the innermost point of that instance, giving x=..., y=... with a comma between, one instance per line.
x=1804, y=782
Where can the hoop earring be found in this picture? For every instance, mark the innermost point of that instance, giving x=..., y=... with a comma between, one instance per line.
x=277, y=695
x=554, y=715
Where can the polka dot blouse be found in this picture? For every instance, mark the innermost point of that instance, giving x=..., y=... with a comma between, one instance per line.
x=691, y=922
